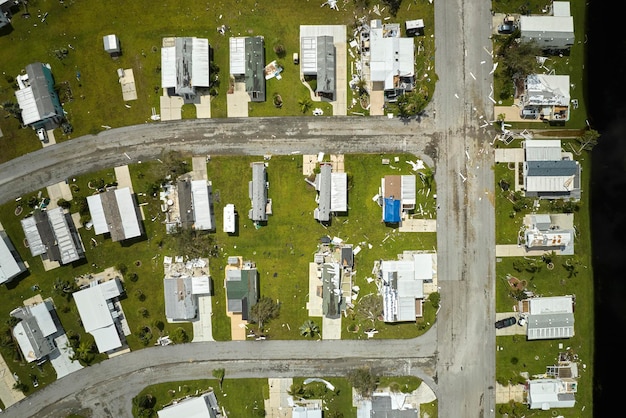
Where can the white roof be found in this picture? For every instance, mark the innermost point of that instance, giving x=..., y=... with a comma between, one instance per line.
x=424, y=266
x=201, y=205
x=111, y=43
x=549, y=183
x=44, y=320
x=390, y=56
x=20, y=334
x=168, y=67
x=408, y=189
x=543, y=149
x=9, y=267
x=229, y=218
x=399, y=303
x=547, y=90
x=547, y=24
x=339, y=192
x=128, y=214
x=544, y=394
x=35, y=244
x=96, y=210
x=237, y=55
x=200, y=63
x=200, y=285
x=308, y=55
x=63, y=235
x=560, y=8
x=96, y=316
x=306, y=412
x=551, y=305
x=414, y=24
x=28, y=105
x=107, y=338
x=188, y=408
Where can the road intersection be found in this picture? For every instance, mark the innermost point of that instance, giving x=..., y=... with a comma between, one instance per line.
x=456, y=358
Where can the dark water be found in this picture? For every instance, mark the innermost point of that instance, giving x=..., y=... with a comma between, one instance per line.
x=606, y=100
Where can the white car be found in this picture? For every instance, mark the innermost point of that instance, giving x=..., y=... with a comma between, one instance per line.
x=42, y=134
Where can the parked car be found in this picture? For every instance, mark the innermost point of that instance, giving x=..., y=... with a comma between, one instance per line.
x=42, y=135
x=506, y=322
x=506, y=28
x=522, y=320
x=35, y=380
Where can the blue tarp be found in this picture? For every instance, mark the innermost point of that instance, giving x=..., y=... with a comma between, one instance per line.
x=391, y=210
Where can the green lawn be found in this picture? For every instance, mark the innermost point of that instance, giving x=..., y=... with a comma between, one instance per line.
x=96, y=99
x=238, y=397
x=572, y=64
x=517, y=354
x=282, y=249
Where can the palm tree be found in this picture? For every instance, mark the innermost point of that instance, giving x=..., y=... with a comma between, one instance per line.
x=305, y=104
x=309, y=329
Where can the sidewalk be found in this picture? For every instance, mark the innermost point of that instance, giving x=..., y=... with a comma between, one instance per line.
x=8, y=395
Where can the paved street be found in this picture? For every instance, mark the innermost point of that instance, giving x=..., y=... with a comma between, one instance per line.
x=456, y=358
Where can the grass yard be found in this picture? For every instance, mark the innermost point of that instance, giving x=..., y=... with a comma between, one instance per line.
x=571, y=275
x=238, y=397
x=94, y=100
x=282, y=250
x=572, y=64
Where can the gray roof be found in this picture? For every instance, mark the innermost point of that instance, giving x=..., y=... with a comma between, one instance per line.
x=180, y=302
x=35, y=331
x=258, y=192
x=11, y=263
x=185, y=65
x=322, y=185
x=53, y=233
x=381, y=407
x=185, y=206
x=67, y=242
x=200, y=196
x=558, y=178
x=333, y=192
x=254, y=66
x=332, y=300
x=116, y=212
x=38, y=101
x=325, y=65
x=550, y=317
x=552, y=168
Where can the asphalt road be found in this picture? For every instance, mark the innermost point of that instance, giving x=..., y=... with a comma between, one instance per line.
x=107, y=388
x=233, y=136
x=466, y=218
x=456, y=358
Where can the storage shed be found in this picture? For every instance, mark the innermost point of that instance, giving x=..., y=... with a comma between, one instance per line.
x=112, y=45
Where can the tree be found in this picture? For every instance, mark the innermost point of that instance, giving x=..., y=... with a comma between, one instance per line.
x=180, y=336
x=83, y=353
x=264, y=310
x=21, y=386
x=144, y=404
x=411, y=104
x=194, y=244
x=363, y=380
x=370, y=307
x=587, y=141
x=309, y=329
x=519, y=58
x=63, y=288
x=305, y=104
x=219, y=375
